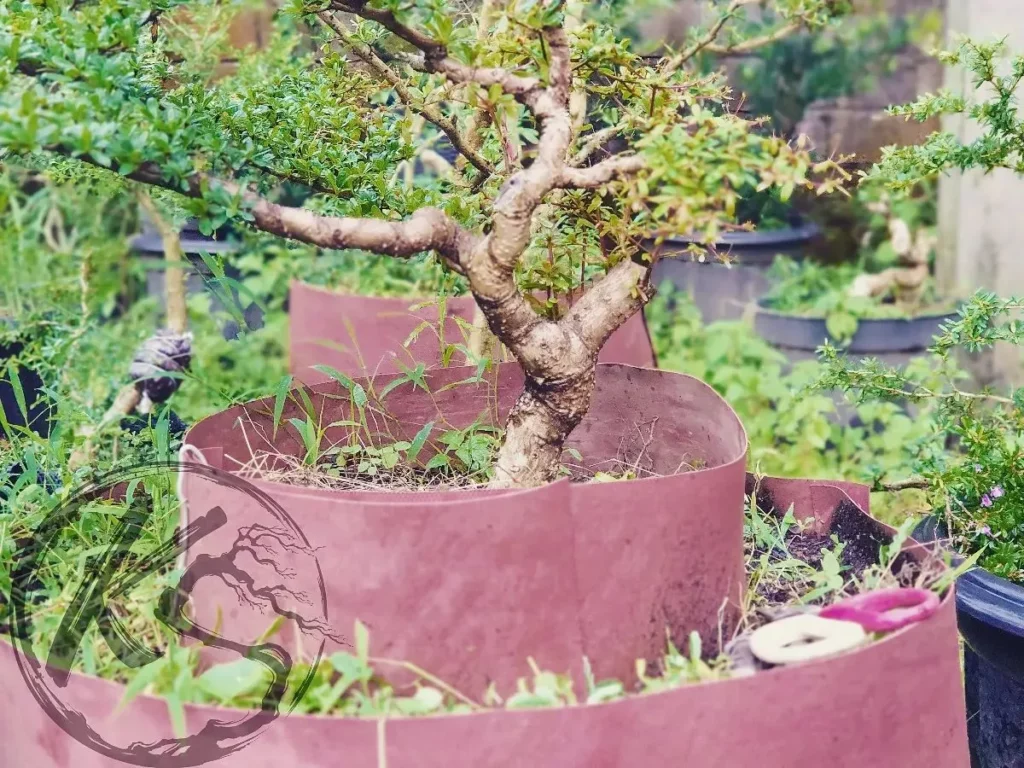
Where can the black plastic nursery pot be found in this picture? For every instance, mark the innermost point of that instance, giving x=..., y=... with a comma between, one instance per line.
x=723, y=292
x=990, y=615
x=38, y=407
x=892, y=340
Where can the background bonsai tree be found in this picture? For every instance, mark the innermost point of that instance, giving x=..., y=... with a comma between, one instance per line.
x=577, y=156
x=968, y=464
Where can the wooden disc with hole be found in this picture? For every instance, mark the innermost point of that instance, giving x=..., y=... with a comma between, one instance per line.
x=804, y=638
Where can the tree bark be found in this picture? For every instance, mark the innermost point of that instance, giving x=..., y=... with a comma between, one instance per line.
x=538, y=426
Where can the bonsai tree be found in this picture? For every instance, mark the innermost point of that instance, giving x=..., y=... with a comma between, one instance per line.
x=530, y=93
x=968, y=464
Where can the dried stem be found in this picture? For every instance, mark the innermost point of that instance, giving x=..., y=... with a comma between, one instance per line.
x=174, y=279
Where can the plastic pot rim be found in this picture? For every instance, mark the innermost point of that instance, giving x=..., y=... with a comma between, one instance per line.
x=874, y=336
x=150, y=244
x=764, y=308
x=978, y=590
x=799, y=234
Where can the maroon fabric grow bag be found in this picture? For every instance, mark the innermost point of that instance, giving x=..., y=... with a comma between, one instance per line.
x=896, y=702
x=364, y=335
x=469, y=584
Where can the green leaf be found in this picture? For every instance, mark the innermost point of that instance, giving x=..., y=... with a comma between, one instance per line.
x=947, y=579
x=337, y=375
x=393, y=385
x=350, y=667
x=438, y=461
x=841, y=326
x=282, y=392
x=358, y=396
x=423, y=702
x=140, y=681
x=176, y=710
x=610, y=690
x=530, y=700
x=453, y=438
x=362, y=642
x=419, y=441
x=232, y=680
x=19, y=394
x=695, y=648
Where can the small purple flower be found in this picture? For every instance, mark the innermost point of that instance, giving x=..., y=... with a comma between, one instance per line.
x=977, y=467
x=986, y=501
x=997, y=492
x=985, y=530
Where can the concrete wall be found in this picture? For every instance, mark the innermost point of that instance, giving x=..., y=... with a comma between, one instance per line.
x=980, y=216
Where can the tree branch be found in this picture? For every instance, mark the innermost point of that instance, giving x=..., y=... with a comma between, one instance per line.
x=707, y=41
x=174, y=278
x=430, y=113
x=904, y=485
x=593, y=143
x=428, y=229
x=435, y=54
x=709, y=37
x=600, y=174
x=753, y=43
x=493, y=262
x=624, y=290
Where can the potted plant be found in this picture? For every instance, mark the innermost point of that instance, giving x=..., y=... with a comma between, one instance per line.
x=962, y=470
x=726, y=277
x=206, y=270
x=22, y=402
x=357, y=705
x=885, y=306
x=971, y=491
x=524, y=557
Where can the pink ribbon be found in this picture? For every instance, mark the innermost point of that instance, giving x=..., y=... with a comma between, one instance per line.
x=885, y=610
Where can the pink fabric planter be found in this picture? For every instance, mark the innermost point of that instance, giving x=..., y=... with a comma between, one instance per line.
x=469, y=584
x=895, y=702
x=364, y=335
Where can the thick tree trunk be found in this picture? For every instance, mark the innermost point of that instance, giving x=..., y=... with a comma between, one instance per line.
x=537, y=427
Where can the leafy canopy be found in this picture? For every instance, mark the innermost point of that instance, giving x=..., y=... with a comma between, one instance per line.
x=138, y=87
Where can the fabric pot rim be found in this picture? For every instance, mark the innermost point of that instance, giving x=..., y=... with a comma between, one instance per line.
x=890, y=638
x=663, y=552
x=360, y=334
x=918, y=665
x=413, y=300
x=430, y=494
x=693, y=687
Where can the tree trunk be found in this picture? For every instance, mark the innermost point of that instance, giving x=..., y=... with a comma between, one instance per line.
x=537, y=427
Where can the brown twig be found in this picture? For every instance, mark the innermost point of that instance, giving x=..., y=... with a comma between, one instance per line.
x=904, y=485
